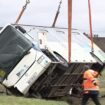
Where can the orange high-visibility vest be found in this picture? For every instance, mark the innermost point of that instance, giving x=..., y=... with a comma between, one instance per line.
x=89, y=79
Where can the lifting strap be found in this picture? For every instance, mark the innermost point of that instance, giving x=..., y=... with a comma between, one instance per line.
x=22, y=11
x=91, y=37
x=90, y=23
x=57, y=13
x=69, y=29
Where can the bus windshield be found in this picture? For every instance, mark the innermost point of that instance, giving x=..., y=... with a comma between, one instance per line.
x=13, y=46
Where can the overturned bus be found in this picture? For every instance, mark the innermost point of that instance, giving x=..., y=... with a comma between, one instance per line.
x=35, y=62
x=21, y=63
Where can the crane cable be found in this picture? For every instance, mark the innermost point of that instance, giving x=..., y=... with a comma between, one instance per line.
x=90, y=23
x=22, y=11
x=57, y=13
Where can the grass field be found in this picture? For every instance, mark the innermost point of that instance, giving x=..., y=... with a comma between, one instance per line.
x=13, y=100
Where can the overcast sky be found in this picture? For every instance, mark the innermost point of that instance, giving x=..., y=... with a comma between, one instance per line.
x=42, y=12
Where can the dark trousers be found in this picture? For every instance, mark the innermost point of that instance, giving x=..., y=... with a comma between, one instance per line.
x=94, y=97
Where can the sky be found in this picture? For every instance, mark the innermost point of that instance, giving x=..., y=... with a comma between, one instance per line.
x=42, y=12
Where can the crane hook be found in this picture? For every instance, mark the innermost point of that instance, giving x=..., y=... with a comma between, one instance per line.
x=27, y=1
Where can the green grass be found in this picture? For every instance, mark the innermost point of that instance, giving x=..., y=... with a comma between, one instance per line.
x=13, y=100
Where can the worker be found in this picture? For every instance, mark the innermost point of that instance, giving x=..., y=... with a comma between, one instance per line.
x=90, y=86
